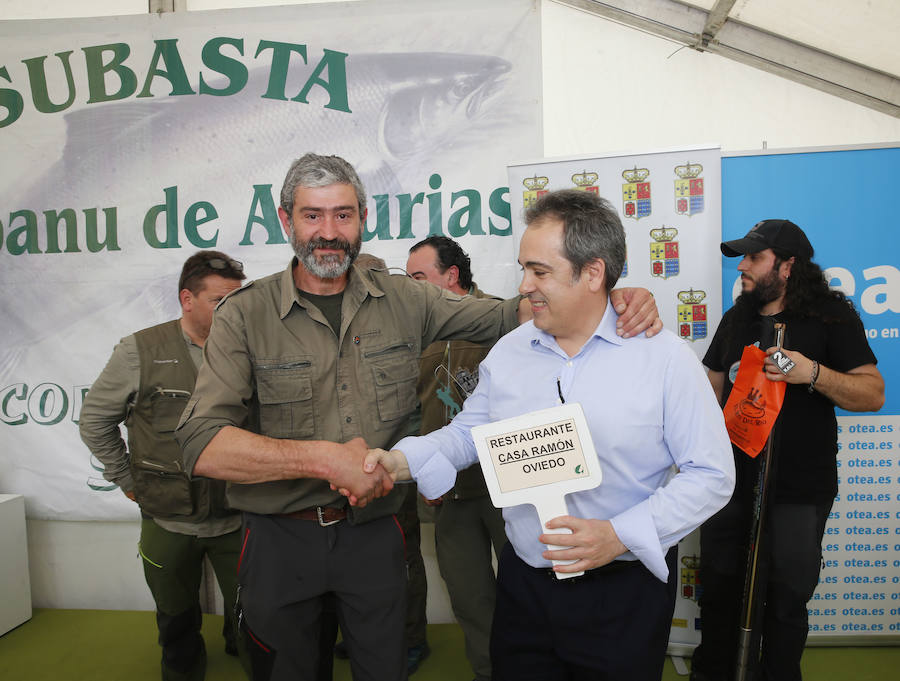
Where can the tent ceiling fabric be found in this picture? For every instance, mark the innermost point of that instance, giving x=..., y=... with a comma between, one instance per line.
x=844, y=47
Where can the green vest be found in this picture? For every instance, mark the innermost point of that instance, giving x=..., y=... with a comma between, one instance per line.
x=161, y=486
x=448, y=373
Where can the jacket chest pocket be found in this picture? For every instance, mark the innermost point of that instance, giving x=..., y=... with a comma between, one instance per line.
x=285, y=395
x=395, y=373
x=160, y=484
x=166, y=407
x=162, y=490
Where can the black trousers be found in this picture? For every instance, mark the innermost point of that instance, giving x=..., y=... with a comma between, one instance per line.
x=792, y=558
x=292, y=570
x=611, y=625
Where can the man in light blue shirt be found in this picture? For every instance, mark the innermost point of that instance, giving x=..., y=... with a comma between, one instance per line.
x=660, y=438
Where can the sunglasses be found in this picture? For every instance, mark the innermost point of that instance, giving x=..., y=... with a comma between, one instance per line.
x=221, y=264
x=214, y=264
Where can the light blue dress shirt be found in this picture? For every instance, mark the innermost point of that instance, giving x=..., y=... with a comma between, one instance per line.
x=658, y=430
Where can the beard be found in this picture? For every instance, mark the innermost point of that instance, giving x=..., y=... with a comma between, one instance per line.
x=329, y=266
x=764, y=291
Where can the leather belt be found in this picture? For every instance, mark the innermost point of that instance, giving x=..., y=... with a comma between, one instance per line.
x=324, y=515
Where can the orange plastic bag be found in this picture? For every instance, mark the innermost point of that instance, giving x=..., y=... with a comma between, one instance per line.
x=754, y=403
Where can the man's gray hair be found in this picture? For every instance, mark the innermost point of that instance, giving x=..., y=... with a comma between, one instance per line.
x=313, y=170
x=592, y=230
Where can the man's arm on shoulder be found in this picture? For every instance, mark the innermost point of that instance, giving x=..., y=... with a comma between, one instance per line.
x=450, y=316
x=636, y=308
x=637, y=312
x=105, y=408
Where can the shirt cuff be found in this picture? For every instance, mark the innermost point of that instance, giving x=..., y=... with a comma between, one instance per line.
x=432, y=471
x=194, y=437
x=635, y=529
x=125, y=482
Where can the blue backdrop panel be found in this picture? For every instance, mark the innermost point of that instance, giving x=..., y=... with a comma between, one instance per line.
x=848, y=202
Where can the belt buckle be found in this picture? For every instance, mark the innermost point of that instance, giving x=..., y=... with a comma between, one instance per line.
x=321, y=517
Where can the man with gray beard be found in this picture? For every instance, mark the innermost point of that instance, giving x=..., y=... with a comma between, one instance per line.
x=304, y=370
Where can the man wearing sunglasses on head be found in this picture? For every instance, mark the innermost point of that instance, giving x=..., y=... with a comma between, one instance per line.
x=145, y=385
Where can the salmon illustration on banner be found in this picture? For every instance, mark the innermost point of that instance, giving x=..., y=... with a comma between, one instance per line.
x=664, y=260
x=534, y=189
x=689, y=189
x=636, y=193
x=692, y=320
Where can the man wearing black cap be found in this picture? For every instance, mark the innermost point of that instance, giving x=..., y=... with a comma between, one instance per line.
x=833, y=366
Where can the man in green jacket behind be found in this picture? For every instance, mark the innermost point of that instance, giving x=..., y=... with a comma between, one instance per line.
x=146, y=384
x=466, y=523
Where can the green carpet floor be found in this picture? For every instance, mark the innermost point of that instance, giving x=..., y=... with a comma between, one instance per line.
x=112, y=645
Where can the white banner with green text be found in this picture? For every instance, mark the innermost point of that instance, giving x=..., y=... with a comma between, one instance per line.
x=129, y=143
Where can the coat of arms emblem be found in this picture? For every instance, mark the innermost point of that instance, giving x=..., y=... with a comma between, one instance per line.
x=689, y=189
x=636, y=193
x=664, y=260
x=692, y=321
x=534, y=189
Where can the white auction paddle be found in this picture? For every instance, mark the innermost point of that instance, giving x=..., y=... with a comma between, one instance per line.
x=538, y=458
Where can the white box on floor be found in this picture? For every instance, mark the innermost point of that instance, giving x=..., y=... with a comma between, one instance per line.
x=15, y=585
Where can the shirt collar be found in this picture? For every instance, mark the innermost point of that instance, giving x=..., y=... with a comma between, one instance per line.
x=606, y=330
x=187, y=338
x=359, y=284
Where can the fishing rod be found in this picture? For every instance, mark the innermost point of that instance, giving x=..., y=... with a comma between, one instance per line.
x=753, y=575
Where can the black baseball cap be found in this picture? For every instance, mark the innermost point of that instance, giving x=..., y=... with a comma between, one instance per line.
x=781, y=234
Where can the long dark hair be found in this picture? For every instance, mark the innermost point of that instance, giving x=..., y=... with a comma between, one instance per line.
x=807, y=290
x=807, y=294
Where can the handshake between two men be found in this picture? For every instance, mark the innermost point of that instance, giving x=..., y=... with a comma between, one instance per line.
x=584, y=545
x=364, y=474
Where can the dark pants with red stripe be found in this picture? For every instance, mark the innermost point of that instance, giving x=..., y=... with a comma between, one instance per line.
x=289, y=569
x=611, y=624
